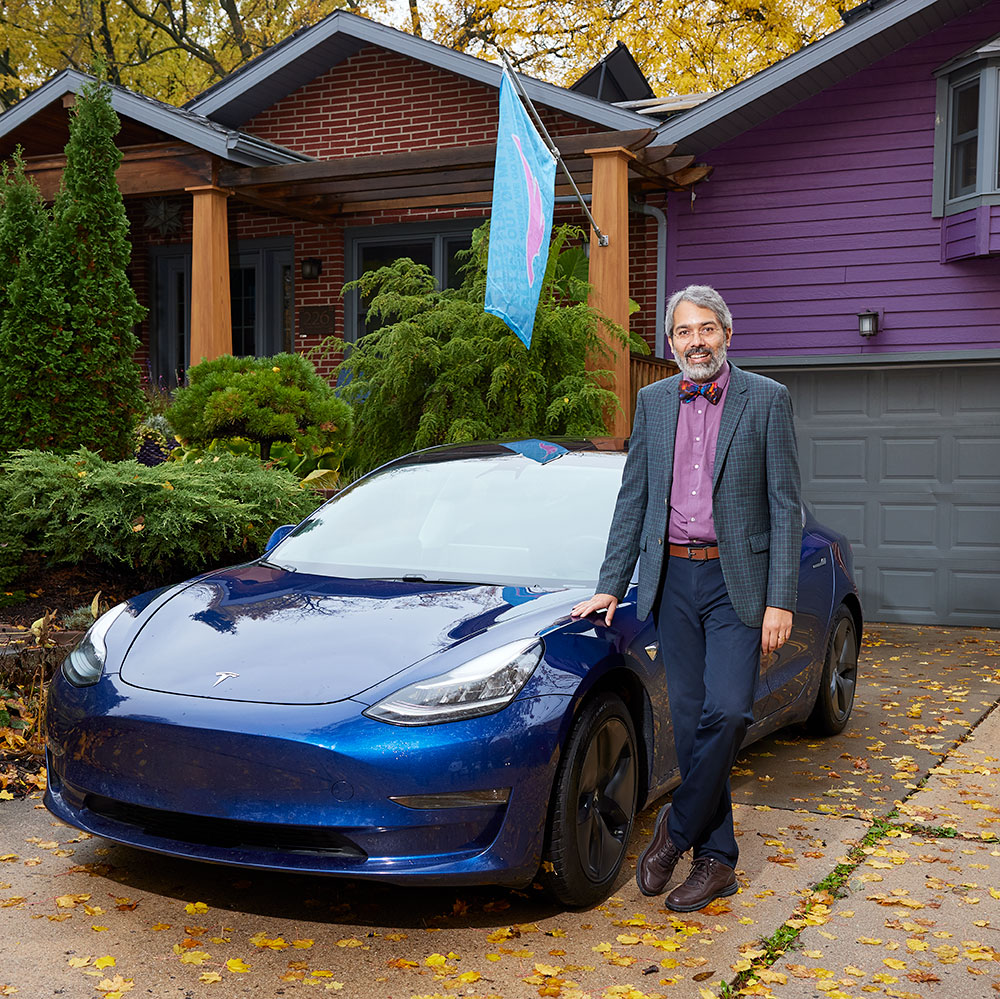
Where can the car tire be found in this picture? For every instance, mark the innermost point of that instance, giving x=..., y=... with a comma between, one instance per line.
x=593, y=804
x=839, y=677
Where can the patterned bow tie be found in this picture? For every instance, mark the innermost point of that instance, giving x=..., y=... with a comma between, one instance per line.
x=690, y=391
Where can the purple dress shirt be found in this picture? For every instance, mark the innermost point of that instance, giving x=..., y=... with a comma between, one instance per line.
x=694, y=461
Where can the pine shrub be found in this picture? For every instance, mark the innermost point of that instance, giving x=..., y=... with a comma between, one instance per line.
x=260, y=399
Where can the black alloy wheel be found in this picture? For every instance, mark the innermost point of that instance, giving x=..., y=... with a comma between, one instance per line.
x=839, y=678
x=593, y=804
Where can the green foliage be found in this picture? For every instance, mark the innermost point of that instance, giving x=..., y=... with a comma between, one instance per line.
x=263, y=400
x=444, y=371
x=67, y=374
x=22, y=219
x=172, y=519
x=316, y=468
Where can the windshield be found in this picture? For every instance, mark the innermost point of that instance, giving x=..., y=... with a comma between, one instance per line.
x=494, y=519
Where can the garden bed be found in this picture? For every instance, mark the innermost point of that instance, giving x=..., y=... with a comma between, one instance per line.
x=43, y=588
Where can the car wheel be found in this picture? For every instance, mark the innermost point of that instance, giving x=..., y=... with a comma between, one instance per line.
x=839, y=678
x=593, y=804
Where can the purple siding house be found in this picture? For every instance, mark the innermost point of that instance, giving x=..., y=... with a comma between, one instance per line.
x=862, y=176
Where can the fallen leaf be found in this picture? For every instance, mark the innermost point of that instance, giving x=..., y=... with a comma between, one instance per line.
x=237, y=966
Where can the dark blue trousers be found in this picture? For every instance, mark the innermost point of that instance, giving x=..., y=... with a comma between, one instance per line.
x=712, y=661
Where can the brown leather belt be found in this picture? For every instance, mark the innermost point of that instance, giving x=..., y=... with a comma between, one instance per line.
x=702, y=554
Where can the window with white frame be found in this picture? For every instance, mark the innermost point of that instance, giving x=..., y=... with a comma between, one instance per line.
x=967, y=131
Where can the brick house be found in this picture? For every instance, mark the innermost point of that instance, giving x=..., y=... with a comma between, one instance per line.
x=348, y=144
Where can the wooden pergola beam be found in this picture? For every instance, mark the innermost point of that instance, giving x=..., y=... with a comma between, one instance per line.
x=145, y=171
x=448, y=158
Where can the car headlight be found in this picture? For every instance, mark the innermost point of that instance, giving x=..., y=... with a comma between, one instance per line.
x=479, y=687
x=84, y=665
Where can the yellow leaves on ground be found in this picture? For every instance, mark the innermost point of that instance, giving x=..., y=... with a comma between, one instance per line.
x=105, y=962
x=191, y=956
x=69, y=901
x=195, y=908
x=770, y=977
x=115, y=988
x=262, y=940
x=402, y=962
x=209, y=977
x=237, y=966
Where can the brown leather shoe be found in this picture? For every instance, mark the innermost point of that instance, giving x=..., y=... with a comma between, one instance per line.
x=709, y=879
x=658, y=860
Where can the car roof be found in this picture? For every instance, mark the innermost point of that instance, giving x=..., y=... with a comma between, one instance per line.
x=547, y=449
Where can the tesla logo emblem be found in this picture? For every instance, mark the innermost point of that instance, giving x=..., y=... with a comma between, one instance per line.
x=224, y=676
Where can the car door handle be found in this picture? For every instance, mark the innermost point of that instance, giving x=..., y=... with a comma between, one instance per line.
x=820, y=563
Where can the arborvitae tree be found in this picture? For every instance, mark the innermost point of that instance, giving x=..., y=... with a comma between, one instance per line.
x=23, y=217
x=67, y=340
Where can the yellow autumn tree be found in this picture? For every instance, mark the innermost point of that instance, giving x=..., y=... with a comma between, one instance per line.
x=168, y=49
x=174, y=49
x=682, y=46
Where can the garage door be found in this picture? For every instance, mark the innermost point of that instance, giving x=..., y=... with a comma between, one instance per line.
x=906, y=463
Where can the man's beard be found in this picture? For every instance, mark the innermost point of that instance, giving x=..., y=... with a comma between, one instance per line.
x=706, y=370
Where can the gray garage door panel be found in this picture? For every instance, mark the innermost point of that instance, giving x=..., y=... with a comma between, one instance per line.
x=906, y=463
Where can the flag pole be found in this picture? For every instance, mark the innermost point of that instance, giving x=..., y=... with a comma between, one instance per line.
x=602, y=239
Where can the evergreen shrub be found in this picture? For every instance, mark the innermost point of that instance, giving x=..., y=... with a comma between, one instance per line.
x=166, y=522
x=263, y=400
x=442, y=370
x=67, y=374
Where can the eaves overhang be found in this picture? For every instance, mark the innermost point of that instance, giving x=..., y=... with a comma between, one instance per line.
x=310, y=52
x=176, y=123
x=809, y=71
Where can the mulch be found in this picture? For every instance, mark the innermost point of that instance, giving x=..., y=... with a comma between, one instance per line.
x=43, y=588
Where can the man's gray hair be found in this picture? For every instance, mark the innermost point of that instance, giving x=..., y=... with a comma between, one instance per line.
x=704, y=297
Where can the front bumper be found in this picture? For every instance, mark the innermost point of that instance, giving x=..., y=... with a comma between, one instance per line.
x=303, y=788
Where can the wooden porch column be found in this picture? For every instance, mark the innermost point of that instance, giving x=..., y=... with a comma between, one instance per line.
x=608, y=272
x=211, y=307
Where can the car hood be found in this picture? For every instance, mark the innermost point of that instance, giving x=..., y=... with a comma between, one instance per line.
x=262, y=633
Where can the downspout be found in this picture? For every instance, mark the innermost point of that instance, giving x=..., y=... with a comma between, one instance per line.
x=661, y=268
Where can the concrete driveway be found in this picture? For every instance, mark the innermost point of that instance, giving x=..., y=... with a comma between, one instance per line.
x=896, y=820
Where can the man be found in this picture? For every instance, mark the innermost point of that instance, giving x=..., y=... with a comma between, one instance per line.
x=709, y=505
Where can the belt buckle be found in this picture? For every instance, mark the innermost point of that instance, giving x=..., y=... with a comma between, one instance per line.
x=696, y=554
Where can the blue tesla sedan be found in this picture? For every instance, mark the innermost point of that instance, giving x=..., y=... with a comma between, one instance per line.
x=396, y=689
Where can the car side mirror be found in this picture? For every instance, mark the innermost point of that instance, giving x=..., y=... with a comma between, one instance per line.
x=278, y=534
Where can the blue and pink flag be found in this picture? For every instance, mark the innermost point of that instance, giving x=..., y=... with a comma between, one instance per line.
x=521, y=219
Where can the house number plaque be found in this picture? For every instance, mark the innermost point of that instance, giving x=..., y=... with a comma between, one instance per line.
x=316, y=320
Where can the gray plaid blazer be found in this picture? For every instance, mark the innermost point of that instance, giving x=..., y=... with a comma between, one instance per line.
x=755, y=497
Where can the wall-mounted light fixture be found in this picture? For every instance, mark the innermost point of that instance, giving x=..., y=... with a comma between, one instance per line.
x=312, y=267
x=868, y=323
